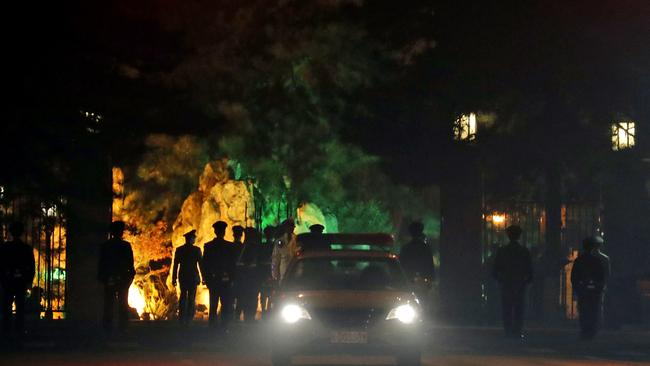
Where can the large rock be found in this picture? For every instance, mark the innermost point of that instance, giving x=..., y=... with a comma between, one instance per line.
x=217, y=198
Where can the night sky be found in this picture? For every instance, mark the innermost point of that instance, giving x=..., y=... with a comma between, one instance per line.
x=129, y=61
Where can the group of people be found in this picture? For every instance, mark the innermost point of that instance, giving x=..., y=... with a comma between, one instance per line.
x=235, y=273
x=513, y=270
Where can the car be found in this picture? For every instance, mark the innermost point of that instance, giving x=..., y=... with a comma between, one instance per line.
x=346, y=294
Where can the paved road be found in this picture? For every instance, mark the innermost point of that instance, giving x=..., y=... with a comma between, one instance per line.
x=164, y=344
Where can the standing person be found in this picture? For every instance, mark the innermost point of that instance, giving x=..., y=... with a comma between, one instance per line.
x=589, y=279
x=416, y=258
x=238, y=245
x=513, y=270
x=284, y=250
x=188, y=258
x=219, y=267
x=264, y=268
x=17, y=269
x=247, y=279
x=116, y=272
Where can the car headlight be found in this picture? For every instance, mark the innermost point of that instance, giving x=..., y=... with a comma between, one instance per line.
x=292, y=313
x=404, y=313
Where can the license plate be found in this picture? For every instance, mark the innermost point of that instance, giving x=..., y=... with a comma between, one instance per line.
x=349, y=337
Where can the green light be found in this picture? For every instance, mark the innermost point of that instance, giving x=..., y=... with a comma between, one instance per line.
x=364, y=247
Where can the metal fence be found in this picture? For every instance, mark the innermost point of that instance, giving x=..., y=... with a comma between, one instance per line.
x=579, y=220
x=45, y=232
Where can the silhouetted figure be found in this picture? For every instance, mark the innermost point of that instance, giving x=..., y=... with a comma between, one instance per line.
x=238, y=244
x=416, y=258
x=247, y=279
x=589, y=279
x=17, y=271
x=284, y=250
x=219, y=256
x=188, y=258
x=264, y=268
x=116, y=272
x=513, y=270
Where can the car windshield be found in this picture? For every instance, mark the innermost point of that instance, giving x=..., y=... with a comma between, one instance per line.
x=345, y=274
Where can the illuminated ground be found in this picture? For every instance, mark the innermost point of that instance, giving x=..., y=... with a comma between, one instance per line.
x=164, y=344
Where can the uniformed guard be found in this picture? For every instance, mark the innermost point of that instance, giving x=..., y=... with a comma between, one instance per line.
x=589, y=279
x=416, y=258
x=316, y=229
x=264, y=268
x=238, y=245
x=17, y=269
x=284, y=250
x=219, y=266
x=188, y=258
x=247, y=279
x=116, y=272
x=513, y=270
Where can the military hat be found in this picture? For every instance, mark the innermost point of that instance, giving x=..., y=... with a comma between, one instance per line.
x=238, y=229
x=220, y=225
x=594, y=241
x=317, y=228
x=116, y=226
x=190, y=234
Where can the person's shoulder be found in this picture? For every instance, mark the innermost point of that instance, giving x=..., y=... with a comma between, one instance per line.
x=603, y=256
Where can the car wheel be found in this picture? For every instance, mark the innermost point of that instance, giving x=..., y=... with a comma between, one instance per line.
x=412, y=358
x=280, y=359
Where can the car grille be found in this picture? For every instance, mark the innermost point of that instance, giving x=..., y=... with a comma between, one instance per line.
x=348, y=318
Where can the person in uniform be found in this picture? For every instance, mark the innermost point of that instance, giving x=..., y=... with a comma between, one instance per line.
x=187, y=270
x=17, y=269
x=589, y=279
x=416, y=258
x=238, y=245
x=247, y=279
x=116, y=272
x=265, y=253
x=219, y=266
x=513, y=270
x=284, y=250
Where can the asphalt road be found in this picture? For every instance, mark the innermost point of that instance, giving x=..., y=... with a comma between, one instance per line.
x=165, y=344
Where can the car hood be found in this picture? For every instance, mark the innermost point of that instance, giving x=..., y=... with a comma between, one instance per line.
x=348, y=299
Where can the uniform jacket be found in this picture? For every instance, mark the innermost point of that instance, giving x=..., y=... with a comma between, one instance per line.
x=284, y=250
x=17, y=266
x=189, y=259
x=416, y=257
x=219, y=258
x=116, y=263
x=590, y=272
x=513, y=267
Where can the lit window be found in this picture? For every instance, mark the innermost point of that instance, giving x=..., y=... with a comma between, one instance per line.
x=623, y=135
x=465, y=127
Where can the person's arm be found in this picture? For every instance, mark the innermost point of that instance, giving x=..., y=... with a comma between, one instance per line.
x=201, y=270
x=175, y=268
x=575, y=275
x=131, y=262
